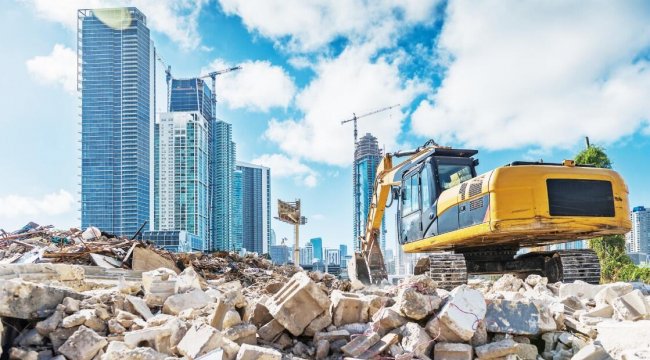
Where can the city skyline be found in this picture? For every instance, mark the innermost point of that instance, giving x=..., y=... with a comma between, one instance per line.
x=298, y=82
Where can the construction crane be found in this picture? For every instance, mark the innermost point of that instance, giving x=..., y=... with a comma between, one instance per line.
x=355, y=118
x=168, y=73
x=213, y=75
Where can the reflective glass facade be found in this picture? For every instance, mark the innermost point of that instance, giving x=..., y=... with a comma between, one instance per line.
x=222, y=167
x=317, y=244
x=191, y=95
x=367, y=157
x=237, y=211
x=182, y=154
x=115, y=58
x=256, y=207
x=174, y=240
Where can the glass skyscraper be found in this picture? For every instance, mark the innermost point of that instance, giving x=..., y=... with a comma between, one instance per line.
x=116, y=70
x=256, y=205
x=237, y=211
x=181, y=196
x=182, y=164
x=367, y=157
x=222, y=168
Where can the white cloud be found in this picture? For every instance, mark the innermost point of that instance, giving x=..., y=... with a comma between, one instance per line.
x=16, y=206
x=349, y=83
x=59, y=67
x=536, y=73
x=284, y=166
x=178, y=20
x=310, y=25
x=259, y=85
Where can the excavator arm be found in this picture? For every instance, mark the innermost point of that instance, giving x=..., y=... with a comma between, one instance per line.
x=368, y=264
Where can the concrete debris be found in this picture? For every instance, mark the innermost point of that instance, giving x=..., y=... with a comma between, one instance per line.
x=223, y=306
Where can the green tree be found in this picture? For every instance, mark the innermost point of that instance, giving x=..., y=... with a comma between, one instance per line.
x=615, y=265
x=594, y=155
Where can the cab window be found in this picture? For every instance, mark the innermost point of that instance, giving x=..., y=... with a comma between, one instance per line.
x=411, y=196
x=426, y=188
x=451, y=175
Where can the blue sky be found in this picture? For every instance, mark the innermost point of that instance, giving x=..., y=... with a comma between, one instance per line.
x=518, y=80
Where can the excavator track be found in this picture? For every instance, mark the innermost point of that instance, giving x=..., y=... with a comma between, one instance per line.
x=571, y=265
x=448, y=270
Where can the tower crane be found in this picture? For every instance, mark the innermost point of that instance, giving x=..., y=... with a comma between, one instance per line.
x=355, y=118
x=213, y=75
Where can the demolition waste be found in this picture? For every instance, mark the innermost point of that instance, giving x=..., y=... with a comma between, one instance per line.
x=90, y=295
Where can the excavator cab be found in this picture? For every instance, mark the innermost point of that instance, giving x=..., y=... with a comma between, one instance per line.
x=420, y=188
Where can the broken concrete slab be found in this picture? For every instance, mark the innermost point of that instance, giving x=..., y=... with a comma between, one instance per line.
x=496, y=349
x=462, y=312
x=438, y=330
x=387, y=319
x=381, y=346
x=609, y=292
x=332, y=336
x=416, y=305
x=593, y=351
x=140, y=307
x=580, y=289
x=84, y=344
x=199, y=340
x=360, y=344
x=517, y=318
x=147, y=260
x=252, y=352
x=158, y=285
x=271, y=330
x=631, y=306
x=298, y=303
x=319, y=323
x=348, y=308
x=258, y=312
x=194, y=299
x=415, y=339
x=27, y=300
x=242, y=334
x=453, y=351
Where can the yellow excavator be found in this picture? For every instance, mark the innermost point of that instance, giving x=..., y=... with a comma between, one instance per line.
x=476, y=224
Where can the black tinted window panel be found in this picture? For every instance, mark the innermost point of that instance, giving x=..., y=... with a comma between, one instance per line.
x=571, y=197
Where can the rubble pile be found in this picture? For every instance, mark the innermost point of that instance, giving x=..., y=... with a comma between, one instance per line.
x=170, y=315
x=93, y=247
x=90, y=295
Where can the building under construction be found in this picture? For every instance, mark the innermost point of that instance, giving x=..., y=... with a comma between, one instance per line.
x=367, y=156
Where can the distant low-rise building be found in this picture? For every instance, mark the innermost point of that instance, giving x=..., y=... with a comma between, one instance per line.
x=280, y=254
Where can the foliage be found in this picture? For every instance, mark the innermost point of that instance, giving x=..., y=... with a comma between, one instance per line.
x=615, y=265
x=594, y=155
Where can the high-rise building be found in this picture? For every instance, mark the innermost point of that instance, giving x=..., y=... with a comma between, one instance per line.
x=637, y=241
x=222, y=167
x=116, y=79
x=181, y=191
x=237, y=211
x=367, y=157
x=332, y=257
x=256, y=213
x=317, y=243
x=306, y=254
x=192, y=94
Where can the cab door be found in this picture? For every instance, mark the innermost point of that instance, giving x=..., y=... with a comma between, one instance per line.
x=428, y=195
x=410, y=208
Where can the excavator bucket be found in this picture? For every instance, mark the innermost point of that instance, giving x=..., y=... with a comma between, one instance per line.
x=358, y=269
